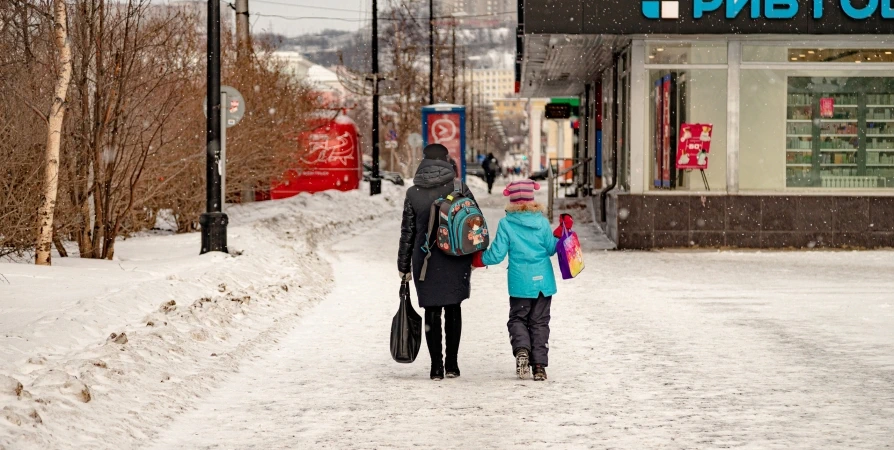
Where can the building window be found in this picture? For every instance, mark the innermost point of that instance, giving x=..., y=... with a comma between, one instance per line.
x=816, y=129
x=815, y=54
x=708, y=52
x=693, y=97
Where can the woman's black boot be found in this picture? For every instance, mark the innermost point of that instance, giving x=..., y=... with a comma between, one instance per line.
x=453, y=326
x=437, y=372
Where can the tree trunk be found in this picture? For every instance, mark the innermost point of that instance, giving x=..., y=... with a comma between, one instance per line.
x=54, y=137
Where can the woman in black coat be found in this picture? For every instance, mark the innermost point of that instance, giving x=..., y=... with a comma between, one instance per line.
x=446, y=282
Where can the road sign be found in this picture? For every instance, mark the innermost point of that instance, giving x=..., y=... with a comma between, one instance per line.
x=414, y=140
x=234, y=107
x=558, y=111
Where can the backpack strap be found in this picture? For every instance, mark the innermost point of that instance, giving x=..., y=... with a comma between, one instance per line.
x=427, y=248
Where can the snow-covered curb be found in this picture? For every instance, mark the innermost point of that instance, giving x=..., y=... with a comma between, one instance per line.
x=100, y=354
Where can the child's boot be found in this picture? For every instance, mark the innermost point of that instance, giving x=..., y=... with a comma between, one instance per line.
x=539, y=372
x=521, y=363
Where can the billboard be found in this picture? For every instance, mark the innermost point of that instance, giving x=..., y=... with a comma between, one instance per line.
x=446, y=125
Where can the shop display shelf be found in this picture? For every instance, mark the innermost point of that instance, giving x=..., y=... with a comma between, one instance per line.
x=839, y=135
x=880, y=106
x=800, y=135
x=879, y=120
x=880, y=135
x=880, y=150
x=799, y=165
x=800, y=120
x=838, y=120
x=801, y=150
x=839, y=150
x=837, y=165
x=847, y=106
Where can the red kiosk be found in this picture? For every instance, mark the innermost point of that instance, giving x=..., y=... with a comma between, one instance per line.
x=332, y=161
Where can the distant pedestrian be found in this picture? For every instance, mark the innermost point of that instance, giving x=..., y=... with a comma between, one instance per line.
x=446, y=283
x=524, y=235
x=490, y=166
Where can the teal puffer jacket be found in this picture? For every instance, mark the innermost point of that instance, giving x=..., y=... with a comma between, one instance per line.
x=527, y=239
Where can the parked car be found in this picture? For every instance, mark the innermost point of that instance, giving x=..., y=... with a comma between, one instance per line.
x=539, y=176
x=475, y=171
x=393, y=177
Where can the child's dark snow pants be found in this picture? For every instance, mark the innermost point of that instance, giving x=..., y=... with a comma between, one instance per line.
x=529, y=326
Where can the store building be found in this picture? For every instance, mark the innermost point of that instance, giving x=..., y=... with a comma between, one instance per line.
x=795, y=97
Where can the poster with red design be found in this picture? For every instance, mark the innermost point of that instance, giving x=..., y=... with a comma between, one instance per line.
x=827, y=107
x=656, y=139
x=330, y=160
x=445, y=129
x=666, y=131
x=694, y=145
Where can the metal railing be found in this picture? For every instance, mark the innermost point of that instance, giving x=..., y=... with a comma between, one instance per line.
x=556, y=174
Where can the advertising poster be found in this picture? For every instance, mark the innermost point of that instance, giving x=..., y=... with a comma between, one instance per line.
x=827, y=107
x=666, y=131
x=694, y=145
x=656, y=130
x=445, y=125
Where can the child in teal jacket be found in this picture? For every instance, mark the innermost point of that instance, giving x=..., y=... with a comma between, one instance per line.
x=524, y=235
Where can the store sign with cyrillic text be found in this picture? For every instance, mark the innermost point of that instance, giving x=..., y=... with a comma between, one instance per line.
x=768, y=9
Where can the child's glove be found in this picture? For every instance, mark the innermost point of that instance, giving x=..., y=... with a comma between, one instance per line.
x=564, y=219
x=476, y=261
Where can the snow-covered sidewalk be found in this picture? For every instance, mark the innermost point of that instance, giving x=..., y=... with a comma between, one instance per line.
x=101, y=354
x=286, y=346
x=648, y=350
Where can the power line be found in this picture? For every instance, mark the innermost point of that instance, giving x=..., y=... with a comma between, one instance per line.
x=397, y=19
x=293, y=5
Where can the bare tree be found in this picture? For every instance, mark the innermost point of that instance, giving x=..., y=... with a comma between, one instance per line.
x=54, y=135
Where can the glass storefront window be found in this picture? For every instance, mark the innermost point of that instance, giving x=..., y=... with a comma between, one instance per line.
x=809, y=54
x=686, y=96
x=816, y=129
x=686, y=53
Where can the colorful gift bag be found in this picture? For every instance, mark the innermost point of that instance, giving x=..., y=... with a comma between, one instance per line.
x=571, y=258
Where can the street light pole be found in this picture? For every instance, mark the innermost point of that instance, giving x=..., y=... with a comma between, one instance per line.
x=375, y=184
x=431, y=52
x=213, y=221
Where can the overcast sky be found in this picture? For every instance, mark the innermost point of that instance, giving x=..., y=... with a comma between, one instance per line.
x=294, y=17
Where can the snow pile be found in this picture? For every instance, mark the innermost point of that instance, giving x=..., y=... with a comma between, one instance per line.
x=101, y=354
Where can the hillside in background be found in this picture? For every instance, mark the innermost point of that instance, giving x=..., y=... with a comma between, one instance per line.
x=486, y=48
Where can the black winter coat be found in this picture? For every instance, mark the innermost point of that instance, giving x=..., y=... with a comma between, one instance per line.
x=447, y=280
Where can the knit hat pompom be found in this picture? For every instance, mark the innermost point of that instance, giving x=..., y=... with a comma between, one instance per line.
x=521, y=191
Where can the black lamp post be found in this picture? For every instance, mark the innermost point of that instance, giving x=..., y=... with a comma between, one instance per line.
x=214, y=220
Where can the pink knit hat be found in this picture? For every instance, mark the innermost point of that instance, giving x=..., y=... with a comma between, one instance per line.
x=521, y=191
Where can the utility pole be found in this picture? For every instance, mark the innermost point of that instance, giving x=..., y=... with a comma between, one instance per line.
x=375, y=184
x=243, y=37
x=453, y=64
x=213, y=221
x=465, y=88
x=431, y=52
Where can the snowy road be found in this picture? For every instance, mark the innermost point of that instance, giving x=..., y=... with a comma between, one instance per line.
x=649, y=350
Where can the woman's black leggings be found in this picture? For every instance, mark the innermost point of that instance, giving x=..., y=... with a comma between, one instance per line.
x=453, y=326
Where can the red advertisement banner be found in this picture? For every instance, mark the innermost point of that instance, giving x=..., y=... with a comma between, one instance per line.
x=444, y=129
x=694, y=145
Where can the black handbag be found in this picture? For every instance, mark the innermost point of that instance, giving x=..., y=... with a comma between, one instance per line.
x=406, y=329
